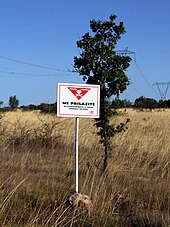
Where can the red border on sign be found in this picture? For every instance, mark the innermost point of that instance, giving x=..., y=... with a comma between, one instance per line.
x=81, y=86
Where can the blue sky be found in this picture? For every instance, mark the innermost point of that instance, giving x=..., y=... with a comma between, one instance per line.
x=44, y=32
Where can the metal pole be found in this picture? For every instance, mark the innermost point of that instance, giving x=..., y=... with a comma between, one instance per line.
x=76, y=154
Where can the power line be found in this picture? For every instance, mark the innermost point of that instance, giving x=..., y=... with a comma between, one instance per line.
x=22, y=75
x=146, y=81
x=32, y=64
x=139, y=69
x=129, y=52
x=134, y=88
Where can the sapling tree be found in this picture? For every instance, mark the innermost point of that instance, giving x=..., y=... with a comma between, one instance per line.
x=13, y=102
x=99, y=63
x=1, y=103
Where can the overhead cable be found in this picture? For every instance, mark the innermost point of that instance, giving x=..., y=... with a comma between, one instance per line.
x=21, y=74
x=32, y=64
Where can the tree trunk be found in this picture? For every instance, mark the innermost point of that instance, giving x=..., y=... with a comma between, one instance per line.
x=105, y=161
x=106, y=151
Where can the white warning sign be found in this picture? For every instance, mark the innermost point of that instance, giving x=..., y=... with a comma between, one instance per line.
x=78, y=100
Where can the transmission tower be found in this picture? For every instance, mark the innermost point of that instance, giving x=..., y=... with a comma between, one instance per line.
x=162, y=89
x=126, y=52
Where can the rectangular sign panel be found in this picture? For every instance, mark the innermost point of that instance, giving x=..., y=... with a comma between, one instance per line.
x=78, y=100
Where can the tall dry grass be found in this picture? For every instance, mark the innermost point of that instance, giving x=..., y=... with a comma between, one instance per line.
x=37, y=171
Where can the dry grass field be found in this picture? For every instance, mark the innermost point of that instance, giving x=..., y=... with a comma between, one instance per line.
x=37, y=171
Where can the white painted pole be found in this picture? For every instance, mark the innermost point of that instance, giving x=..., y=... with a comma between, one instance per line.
x=76, y=154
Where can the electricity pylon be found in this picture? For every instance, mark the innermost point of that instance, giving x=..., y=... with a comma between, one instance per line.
x=126, y=52
x=162, y=89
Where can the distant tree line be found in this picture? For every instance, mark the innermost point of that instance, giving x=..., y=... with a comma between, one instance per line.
x=43, y=107
x=13, y=104
x=140, y=103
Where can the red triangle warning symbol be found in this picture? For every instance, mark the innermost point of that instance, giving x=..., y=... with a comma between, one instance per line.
x=78, y=92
